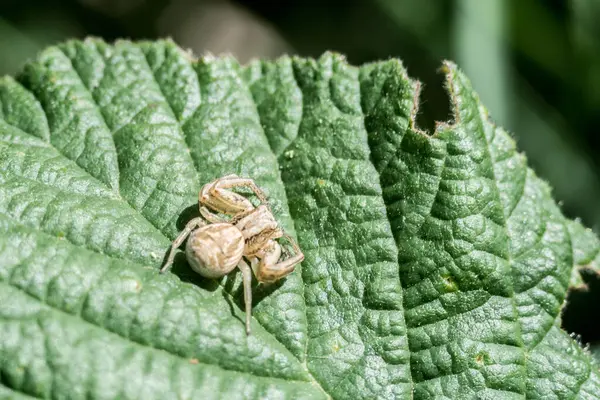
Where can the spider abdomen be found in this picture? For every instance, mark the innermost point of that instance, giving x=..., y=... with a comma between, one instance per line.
x=215, y=250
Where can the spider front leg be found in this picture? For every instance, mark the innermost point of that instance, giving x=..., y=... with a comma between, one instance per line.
x=231, y=181
x=268, y=269
x=294, y=244
x=218, y=197
x=189, y=228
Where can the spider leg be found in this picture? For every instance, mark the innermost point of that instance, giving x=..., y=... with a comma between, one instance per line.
x=230, y=176
x=217, y=196
x=210, y=216
x=269, y=269
x=231, y=181
x=189, y=228
x=247, y=279
x=292, y=242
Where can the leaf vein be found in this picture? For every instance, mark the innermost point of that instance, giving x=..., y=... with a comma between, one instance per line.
x=91, y=95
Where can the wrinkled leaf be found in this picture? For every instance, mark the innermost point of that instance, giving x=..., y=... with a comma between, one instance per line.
x=436, y=266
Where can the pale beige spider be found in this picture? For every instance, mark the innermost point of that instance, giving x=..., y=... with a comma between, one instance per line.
x=214, y=250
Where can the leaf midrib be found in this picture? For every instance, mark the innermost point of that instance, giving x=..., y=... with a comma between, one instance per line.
x=277, y=158
x=293, y=222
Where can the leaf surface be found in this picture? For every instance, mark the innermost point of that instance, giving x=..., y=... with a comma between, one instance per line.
x=436, y=265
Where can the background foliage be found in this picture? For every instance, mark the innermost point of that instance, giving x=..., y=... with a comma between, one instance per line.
x=535, y=64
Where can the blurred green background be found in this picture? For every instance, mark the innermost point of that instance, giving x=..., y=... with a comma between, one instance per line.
x=535, y=64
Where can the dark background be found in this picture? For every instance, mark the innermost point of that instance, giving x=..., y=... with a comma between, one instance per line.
x=535, y=64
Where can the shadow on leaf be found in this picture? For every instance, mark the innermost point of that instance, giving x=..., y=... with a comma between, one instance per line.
x=187, y=215
x=182, y=269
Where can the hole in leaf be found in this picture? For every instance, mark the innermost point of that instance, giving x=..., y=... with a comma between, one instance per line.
x=580, y=316
x=434, y=102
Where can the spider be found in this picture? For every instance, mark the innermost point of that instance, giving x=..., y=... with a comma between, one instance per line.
x=215, y=248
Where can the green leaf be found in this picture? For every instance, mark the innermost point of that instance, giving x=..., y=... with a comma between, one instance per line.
x=436, y=266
